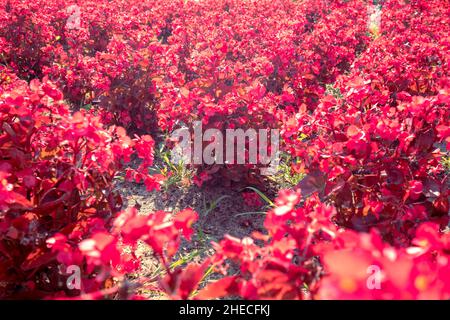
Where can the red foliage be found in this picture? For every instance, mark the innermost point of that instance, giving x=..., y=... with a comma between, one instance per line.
x=416, y=272
x=353, y=265
x=57, y=172
x=379, y=144
x=363, y=111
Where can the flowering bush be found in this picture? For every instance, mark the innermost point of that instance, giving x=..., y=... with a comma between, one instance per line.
x=305, y=256
x=377, y=144
x=416, y=272
x=57, y=172
x=105, y=257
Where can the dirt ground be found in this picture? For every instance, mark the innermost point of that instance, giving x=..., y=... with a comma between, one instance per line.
x=221, y=211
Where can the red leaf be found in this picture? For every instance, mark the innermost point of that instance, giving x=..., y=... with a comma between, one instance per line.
x=184, y=221
x=37, y=258
x=221, y=288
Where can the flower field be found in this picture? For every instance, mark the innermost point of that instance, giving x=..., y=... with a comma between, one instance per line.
x=357, y=91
